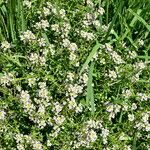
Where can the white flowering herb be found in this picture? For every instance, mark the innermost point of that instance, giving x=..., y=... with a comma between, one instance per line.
x=74, y=75
x=5, y=45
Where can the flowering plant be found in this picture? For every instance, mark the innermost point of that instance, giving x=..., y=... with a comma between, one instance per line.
x=74, y=75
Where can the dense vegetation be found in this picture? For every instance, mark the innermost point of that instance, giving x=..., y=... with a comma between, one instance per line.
x=74, y=74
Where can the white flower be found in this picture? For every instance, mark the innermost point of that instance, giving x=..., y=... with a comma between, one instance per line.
x=104, y=28
x=117, y=108
x=5, y=45
x=88, y=16
x=72, y=56
x=26, y=101
x=77, y=64
x=18, y=88
x=123, y=137
x=42, y=42
x=43, y=93
x=142, y=96
x=49, y=5
x=139, y=125
x=6, y=79
x=59, y=119
x=42, y=85
x=92, y=136
x=42, y=61
x=134, y=106
x=43, y=24
x=83, y=34
x=19, y=138
x=104, y=134
x=72, y=104
x=27, y=36
x=89, y=3
x=20, y=146
x=135, y=77
x=111, y=115
x=41, y=110
x=55, y=27
x=103, y=61
x=2, y=114
x=123, y=44
x=145, y=117
x=96, y=23
x=147, y=127
x=62, y=13
x=90, y=36
x=46, y=11
x=86, y=23
x=139, y=65
x=57, y=108
x=101, y=10
x=79, y=108
x=141, y=42
x=125, y=107
x=93, y=124
x=116, y=58
x=110, y=108
x=49, y=143
x=45, y=52
x=132, y=54
x=37, y=145
x=127, y=147
x=84, y=78
x=54, y=10
x=112, y=75
x=31, y=81
x=131, y=117
x=70, y=76
x=108, y=47
x=34, y=58
x=74, y=90
x=73, y=47
x=95, y=56
x=66, y=43
x=126, y=93
x=41, y=124
x=87, y=36
x=27, y=3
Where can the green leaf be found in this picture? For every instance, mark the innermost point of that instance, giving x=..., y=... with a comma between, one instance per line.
x=135, y=18
x=120, y=5
x=10, y=58
x=94, y=50
x=46, y=38
x=90, y=92
x=134, y=142
x=20, y=18
x=11, y=17
x=140, y=19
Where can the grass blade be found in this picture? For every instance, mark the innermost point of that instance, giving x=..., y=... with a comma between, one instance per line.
x=94, y=50
x=11, y=7
x=21, y=16
x=90, y=92
x=140, y=19
x=120, y=4
x=135, y=18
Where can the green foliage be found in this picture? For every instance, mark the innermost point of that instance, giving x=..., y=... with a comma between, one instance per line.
x=74, y=74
